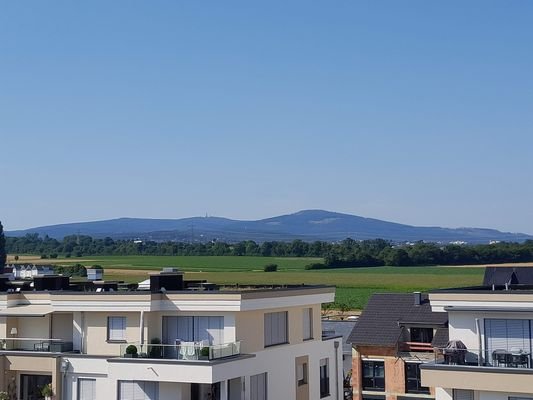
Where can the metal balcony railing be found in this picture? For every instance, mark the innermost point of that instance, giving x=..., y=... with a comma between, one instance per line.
x=183, y=351
x=36, y=344
x=498, y=358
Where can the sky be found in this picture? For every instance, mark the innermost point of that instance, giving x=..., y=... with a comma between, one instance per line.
x=415, y=112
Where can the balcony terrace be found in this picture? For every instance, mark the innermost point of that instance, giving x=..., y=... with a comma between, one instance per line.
x=36, y=345
x=183, y=351
x=470, y=368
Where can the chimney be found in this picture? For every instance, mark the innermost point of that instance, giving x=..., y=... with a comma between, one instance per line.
x=418, y=298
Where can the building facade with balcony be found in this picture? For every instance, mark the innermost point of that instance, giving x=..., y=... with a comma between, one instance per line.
x=493, y=325
x=393, y=337
x=253, y=344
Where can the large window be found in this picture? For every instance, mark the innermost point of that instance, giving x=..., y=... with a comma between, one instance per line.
x=138, y=390
x=86, y=389
x=193, y=329
x=374, y=375
x=276, y=328
x=307, y=323
x=324, y=377
x=422, y=335
x=258, y=387
x=412, y=379
x=512, y=335
x=116, y=329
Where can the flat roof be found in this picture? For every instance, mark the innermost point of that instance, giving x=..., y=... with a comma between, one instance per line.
x=27, y=310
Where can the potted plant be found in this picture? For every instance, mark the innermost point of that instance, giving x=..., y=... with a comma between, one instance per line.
x=4, y=396
x=47, y=391
x=131, y=351
x=155, y=350
x=204, y=353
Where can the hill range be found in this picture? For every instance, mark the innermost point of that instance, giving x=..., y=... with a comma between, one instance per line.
x=308, y=225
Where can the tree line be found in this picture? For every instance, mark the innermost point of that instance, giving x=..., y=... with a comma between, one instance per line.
x=347, y=253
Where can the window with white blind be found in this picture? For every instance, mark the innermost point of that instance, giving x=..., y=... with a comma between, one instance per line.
x=258, y=387
x=307, y=323
x=276, y=328
x=507, y=334
x=86, y=389
x=460, y=394
x=138, y=390
x=116, y=329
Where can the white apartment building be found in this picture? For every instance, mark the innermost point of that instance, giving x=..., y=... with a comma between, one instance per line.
x=491, y=338
x=251, y=344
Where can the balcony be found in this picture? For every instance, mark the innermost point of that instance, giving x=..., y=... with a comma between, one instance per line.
x=499, y=370
x=36, y=345
x=184, y=351
x=416, y=346
x=499, y=358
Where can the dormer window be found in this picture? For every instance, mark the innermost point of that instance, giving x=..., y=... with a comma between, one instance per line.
x=421, y=335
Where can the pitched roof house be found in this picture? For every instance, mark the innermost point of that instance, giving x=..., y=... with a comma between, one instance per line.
x=392, y=337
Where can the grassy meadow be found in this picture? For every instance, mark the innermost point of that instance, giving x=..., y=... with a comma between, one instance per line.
x=354, y=285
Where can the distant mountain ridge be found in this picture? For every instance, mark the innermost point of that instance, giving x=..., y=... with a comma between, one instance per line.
x=308, y=225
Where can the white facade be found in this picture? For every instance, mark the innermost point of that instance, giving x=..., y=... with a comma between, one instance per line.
x=65, y=337
x=496, y=328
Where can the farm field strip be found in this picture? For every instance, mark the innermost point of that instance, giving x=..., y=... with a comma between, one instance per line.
x=354, y=285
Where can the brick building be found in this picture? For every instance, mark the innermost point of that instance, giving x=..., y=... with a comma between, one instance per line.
x=394, y=335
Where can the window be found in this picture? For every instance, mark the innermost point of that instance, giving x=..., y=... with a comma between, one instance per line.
x=276, y=331
x=412, y=379
x=193, y=329
x=138, y=390
x=258, y=387
x=86, y=389
x=512, y=335
x=301, y=373
x=307, y=323
x=422, y=335
x=374, y=375
x=324, y=377
x=460, y=394
x=116, y=329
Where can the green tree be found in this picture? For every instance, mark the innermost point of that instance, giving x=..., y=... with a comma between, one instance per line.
x=3, y=254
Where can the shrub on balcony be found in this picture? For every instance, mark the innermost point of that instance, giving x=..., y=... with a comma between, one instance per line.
x=47, y=391
x=155, y=350
x=131, y=351
x=204, y=352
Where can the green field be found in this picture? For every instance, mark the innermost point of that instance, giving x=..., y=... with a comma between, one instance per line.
x=191, y=263
x=354, y=285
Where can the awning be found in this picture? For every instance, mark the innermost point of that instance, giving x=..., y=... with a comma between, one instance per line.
x=28, y=310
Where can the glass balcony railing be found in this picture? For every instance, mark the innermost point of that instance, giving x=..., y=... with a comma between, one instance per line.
x=499, y=358
x=184, y=351
x=42, y=345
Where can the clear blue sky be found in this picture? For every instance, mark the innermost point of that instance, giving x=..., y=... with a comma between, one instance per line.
x=418, y=112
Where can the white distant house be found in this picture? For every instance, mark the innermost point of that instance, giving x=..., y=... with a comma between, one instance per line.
x=95, y=274
x=29, y=271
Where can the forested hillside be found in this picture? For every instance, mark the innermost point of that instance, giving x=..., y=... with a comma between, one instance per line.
x=347, y=253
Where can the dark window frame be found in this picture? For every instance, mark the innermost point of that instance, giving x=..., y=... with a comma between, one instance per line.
x=414, y=378
x=421, y=335
x=374, y=382
x=324, y=378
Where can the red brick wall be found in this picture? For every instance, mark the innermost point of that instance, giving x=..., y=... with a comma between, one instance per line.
x=394, y=371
